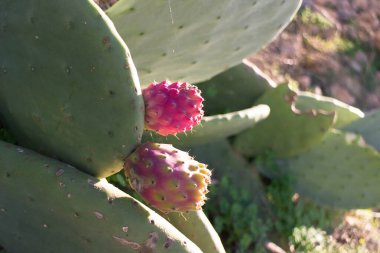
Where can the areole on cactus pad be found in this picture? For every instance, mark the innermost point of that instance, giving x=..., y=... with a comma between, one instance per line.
x=167, y=178
x=171, y=108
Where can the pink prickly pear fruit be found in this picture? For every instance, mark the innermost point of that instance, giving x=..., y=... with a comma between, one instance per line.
x=167, y=178
x=172, y=107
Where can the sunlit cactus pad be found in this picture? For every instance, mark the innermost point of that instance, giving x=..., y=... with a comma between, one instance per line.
x=213, y=128
x=342, y=171
x=195, y=40
x=368, y=127
x=287, y=131
x=345, y=113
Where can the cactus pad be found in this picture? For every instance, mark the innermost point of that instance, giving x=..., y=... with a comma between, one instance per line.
x=234, y=89
x=368, y=127
x=342, y=171
x=215, y=127
x=345, y=113
x=195, y=40
x=287, y=131
x=48, y=206
x=198, y=229
x=68, y=86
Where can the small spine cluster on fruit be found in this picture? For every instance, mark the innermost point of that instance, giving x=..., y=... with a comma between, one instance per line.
x=167, y=178
x=171, y=108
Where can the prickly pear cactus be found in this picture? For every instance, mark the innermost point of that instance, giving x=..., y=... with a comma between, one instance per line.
x=368, y=127
x=68, y=86
x=342, y=171
x=234, y=89
x=49, y=206
x=195, y=40
x=215, y=127
x=345, y=113
x=287, y=131
x=198, y=228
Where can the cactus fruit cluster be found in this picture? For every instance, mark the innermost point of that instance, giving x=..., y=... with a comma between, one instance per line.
x=167, y=178
x=171, y=108
x=70, y=97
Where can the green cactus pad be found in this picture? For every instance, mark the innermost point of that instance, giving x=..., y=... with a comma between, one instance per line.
x=287, y=131
x=48, y=206
x=198, y=229
x=342, y=171
x=234, y=89
x=68, y=86
x=213, y=128
x=195, y=40
x=345, y=113
x=368, y=127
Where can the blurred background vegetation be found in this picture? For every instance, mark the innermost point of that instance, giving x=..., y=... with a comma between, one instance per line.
x=327, y=38
x=331, y=48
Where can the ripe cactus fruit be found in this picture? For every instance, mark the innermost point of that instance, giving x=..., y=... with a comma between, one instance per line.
x=172, y=107
x=167, y=178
